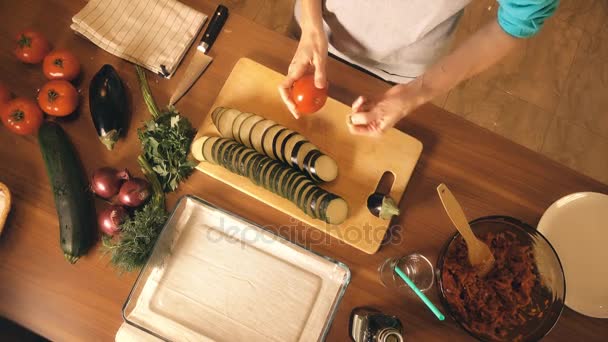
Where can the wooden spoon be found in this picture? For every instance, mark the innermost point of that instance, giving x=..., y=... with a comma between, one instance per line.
x=480, y=255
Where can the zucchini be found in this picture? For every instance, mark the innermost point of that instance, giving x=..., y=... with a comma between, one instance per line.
x=73, y=200
x=277, y=178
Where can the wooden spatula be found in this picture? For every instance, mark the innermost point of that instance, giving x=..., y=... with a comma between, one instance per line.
x=480, y=255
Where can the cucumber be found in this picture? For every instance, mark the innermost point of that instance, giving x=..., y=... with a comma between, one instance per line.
x=73, y=200
x=277, y=178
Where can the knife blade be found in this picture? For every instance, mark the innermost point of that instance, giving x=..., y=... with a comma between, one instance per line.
x=201, y=59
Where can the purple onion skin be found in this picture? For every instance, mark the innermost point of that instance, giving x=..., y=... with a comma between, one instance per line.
x=110, y=219
x=134, y=192
x=106, y=181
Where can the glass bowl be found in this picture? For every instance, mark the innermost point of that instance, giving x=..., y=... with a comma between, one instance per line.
x=546, y=295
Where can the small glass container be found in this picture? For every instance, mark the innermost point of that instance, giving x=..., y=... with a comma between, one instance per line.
x=416, y=266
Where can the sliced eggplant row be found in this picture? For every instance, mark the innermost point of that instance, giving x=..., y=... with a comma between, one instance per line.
x=274, y=176
x=275, y=141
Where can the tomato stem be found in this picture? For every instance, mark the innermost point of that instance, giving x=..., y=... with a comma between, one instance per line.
x=24, y=41
x=52, y=94
x=58, y=62
x=17, y=115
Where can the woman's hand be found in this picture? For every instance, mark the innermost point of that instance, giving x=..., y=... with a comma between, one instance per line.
x=310, y=57
x=374, y=116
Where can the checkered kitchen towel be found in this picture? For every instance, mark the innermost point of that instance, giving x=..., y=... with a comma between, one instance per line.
x=155, y=34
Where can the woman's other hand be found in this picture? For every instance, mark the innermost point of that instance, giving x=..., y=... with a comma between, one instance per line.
x=374, y=116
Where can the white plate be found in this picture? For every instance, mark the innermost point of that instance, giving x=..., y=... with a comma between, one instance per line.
x=577, y=227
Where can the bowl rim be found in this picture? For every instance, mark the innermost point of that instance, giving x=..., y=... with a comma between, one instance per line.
x=511, y=220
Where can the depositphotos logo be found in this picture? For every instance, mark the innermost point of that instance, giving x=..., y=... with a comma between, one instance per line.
x=295, y=231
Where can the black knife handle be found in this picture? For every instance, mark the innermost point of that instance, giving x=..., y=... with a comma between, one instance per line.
x=214, y=28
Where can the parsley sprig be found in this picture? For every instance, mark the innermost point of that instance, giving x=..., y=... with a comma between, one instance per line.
x=165, y=140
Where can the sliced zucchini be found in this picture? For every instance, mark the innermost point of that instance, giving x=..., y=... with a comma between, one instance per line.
x=259, y=173
x=334, y=209
x=197, y=148
x=216, y=146
x=244, y=158
x=276, y=177
x=222, y=144
x=257, y=134
x=236, y=125
x=281, y=179
x=300, y=185
x=225, y=157
x=224, y=124
x=236, y=155
x=316, y=205
x=207, y=148
x=253, y=165
x=269, y=138
x=246, y=126
x=270, y=173
x=301, y=196
x=307, y=204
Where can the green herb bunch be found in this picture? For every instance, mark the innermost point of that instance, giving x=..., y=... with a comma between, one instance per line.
x=166, y=140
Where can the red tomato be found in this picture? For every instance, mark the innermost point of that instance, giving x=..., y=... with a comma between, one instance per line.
x=58, y=98
x=308, y=98
x=31, y=46
x=22, y=116
x=61, y=65
x=5, y=94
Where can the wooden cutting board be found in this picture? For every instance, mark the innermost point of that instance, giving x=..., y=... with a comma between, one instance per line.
x=252, y=87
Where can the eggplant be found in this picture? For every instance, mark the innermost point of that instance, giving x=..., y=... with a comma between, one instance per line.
x=382, y=206
x=108, y=105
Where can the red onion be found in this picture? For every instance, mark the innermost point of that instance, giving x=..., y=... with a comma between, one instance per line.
x=106, y=181
x=110, y=219
x=134, y=192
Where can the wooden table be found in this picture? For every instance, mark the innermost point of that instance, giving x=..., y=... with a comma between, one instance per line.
x=63, y=302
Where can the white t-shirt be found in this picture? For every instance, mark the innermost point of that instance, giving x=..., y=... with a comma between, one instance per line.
x=394, y=39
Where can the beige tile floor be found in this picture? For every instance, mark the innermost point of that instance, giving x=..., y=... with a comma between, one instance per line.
x=550, y=95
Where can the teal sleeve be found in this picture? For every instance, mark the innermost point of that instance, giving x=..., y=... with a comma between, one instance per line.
x=524, y=18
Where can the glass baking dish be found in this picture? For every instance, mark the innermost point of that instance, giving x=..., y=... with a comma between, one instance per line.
x=214, y=276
